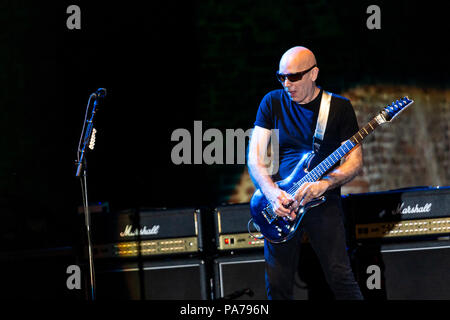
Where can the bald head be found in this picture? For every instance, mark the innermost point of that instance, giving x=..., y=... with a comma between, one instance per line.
x=294, y=61
x=298, y=59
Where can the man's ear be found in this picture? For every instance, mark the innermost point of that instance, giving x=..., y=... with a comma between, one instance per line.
x=314, y=73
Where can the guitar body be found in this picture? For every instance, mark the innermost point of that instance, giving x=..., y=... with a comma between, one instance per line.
x=274, y=228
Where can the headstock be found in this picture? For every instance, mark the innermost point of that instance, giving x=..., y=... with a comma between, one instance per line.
x=393, y=110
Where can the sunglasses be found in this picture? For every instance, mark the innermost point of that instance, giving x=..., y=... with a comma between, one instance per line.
x=292, y=77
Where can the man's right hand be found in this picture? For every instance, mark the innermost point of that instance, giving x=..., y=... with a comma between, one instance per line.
x=257, y=169
x=282, y=203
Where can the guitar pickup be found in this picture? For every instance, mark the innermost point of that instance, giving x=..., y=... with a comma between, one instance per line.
x=270, y=217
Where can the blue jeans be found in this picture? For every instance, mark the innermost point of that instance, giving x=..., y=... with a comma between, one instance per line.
x=325, y=228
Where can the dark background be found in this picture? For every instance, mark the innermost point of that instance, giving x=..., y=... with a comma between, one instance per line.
x=166, y=64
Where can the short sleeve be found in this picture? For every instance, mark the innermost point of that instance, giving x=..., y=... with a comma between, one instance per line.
x=264, y=116
x=349, y=123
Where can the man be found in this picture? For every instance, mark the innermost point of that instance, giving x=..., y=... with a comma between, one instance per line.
x=294, y=110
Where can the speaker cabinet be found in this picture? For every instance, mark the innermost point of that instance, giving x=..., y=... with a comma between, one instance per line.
x=152, y=280
x=407, y=271
x=242, y=277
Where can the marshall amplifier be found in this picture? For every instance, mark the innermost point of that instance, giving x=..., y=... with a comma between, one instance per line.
x=145, y=232
x=231, y=228
x=403, y=214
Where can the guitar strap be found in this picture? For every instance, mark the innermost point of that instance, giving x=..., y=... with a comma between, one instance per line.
x=322, y=120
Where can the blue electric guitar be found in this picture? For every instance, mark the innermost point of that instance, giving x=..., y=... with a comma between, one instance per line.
x=280, y=229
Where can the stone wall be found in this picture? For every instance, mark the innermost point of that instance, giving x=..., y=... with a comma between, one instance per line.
x=413, y=149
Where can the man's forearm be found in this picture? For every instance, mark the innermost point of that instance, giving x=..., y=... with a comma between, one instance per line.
x=261, y=176
x=349, y=169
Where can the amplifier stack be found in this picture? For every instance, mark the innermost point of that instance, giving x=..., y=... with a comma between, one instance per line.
x=150, y=254
x=406, y=234
x=239, y=268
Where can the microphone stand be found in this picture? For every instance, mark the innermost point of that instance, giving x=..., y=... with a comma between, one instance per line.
x=81, y=172
x=88, y=227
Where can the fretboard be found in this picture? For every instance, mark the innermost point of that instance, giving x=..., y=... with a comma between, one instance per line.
x=364, y=131
x=336, y=156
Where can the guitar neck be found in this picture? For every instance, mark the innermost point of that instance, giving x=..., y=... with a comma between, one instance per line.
x=386, y=115
x=339, y=153
x=365, y=131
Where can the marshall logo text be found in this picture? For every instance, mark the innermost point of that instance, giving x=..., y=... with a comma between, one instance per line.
x=408, y=210
x=144, y=231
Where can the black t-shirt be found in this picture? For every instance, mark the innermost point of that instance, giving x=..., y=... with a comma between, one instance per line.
x=297, y=122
